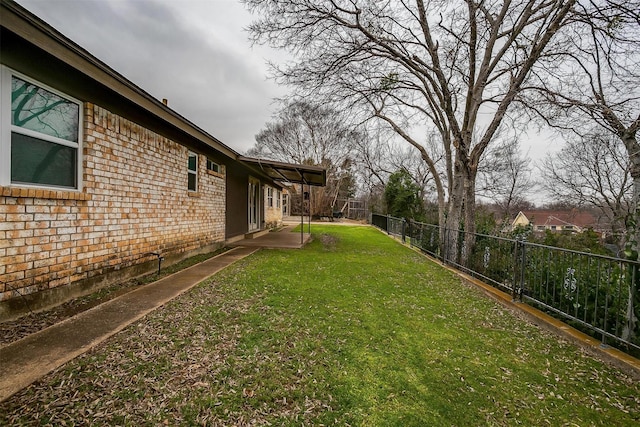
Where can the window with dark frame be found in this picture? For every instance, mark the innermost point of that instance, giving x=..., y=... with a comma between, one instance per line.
x=213, y=166
x=193, y=172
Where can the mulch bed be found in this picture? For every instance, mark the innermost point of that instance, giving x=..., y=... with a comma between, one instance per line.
x=14, y=330
x=36, y=321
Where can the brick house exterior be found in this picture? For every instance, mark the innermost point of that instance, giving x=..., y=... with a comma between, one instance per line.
x=111, y=181
x=134, y=202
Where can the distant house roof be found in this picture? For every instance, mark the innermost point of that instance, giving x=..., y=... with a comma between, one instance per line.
x=560, y=218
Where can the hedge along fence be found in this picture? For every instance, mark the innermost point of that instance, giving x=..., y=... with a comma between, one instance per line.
x=593, y=293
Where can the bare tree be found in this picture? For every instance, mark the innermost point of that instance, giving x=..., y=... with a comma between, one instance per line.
x=306, y=133
x=433, y=63
x=594, y=94
x=383, y=154
x=592, y=171
x=505, y=178
x=373, y=158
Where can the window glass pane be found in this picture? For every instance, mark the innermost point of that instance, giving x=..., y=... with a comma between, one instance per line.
x=35, y=161
x=37, y=109
x=192, y=182
x=192, y=162
x=213, y=166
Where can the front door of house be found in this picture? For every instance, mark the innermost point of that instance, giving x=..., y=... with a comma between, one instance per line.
x=254, y=204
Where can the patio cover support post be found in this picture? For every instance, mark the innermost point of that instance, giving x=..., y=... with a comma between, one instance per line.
x=309, y=187
x=302, y=214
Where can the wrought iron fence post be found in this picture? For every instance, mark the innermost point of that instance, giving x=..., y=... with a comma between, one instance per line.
x=523, y=267
x=404, y=229
x=445, y=245
x=519, y=271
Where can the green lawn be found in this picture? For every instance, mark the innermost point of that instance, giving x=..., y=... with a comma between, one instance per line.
x=353, y=330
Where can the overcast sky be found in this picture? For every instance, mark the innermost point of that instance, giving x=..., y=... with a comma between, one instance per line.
x=195, y=53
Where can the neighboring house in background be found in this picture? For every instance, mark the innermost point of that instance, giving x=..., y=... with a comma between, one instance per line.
x=573, y=221
x=98, y=178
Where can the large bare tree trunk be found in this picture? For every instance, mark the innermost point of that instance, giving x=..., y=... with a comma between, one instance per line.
x=455, y=213
x=469, y=216
x=630, y=330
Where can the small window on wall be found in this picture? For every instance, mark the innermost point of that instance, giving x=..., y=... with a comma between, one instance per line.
x=41, y=137
x=193, y=171
x=270, y=197
x=277, y=198
x=213, y=166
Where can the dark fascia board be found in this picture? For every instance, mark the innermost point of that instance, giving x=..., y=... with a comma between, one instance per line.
x=28, y=26
x=289, y=172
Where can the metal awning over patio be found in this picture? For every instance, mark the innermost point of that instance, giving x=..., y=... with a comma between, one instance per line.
x=288, y=172
x=294, y=174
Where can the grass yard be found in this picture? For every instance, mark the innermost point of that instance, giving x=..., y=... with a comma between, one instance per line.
x=353, y=330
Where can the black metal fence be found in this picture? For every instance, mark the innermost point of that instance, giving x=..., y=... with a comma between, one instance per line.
x=593, y=293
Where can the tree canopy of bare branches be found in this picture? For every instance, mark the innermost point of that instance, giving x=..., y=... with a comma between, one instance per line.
x=592, y=171
x=593, y=95
x=452, y=66
x=307, y=133
x=505, y=177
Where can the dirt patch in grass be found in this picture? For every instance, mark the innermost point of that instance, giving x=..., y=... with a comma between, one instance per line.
x=36, y=321
x=328, y=241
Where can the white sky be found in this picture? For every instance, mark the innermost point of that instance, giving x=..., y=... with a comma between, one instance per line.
x=195, y=53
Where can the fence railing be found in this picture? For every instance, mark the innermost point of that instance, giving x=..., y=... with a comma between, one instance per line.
x=591, y=292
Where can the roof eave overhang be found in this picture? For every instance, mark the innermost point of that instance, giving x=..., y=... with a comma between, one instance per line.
x=22, y=23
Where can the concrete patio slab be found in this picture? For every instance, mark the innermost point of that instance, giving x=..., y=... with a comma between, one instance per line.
x=284, y=238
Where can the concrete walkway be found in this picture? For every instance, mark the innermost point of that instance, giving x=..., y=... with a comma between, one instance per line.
x=26, y=360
